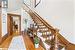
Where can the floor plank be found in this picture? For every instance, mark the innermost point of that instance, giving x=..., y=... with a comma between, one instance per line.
x=29, y=44
x=6, y=43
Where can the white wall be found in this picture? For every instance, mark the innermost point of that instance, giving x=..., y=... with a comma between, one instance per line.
x=25, y=15
x=4, y=21
x=28, y=2
x=60, y=14
x=14, y=5
x=74, y=19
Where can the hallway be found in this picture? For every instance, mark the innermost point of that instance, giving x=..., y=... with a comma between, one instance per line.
x=26, y=26
x=19, y=42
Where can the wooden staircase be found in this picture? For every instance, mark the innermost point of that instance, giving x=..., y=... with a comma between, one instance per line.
x=46, y=29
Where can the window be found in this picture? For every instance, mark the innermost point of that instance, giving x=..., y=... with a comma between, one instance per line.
x=4, y=3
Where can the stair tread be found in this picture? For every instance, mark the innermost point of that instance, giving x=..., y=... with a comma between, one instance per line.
x=45, y=36
x=37, y=21
x=43, y=30
x=42, y=27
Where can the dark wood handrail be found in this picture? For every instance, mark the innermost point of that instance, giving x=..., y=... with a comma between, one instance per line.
x=43, y=21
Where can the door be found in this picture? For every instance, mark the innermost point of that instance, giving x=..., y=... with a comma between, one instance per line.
x=14, y=24
x=9, y=25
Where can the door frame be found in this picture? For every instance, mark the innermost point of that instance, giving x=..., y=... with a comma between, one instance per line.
x=8, y=22
x=0, y=26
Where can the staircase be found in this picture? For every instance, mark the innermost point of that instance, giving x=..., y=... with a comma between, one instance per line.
x=48, y=31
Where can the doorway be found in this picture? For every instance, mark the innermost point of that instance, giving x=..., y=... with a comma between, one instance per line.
x=14, y=24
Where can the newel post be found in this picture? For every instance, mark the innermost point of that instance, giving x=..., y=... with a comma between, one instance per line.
x=56, y=39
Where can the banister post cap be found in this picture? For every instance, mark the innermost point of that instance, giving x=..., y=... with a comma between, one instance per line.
x=57, y=29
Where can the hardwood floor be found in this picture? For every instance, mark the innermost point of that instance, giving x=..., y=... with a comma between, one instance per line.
x=28, y=43
x=6, y=43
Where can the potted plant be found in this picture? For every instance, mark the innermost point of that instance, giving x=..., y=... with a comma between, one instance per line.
x=36, y=41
